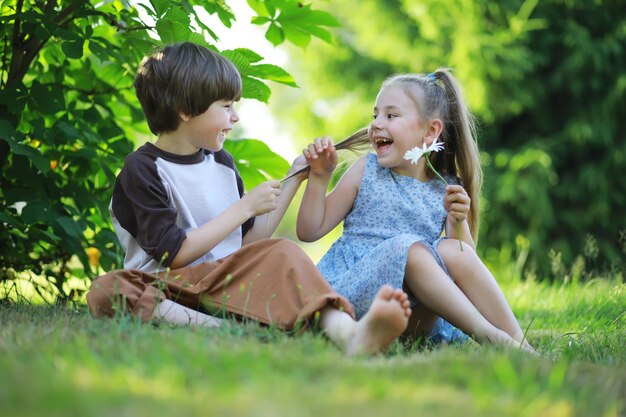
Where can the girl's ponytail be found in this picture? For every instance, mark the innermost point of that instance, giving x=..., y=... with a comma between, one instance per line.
x=459, y=137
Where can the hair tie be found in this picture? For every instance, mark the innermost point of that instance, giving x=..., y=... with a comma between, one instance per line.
x=431, y=77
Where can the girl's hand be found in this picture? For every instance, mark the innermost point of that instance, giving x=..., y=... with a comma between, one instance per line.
x=297, y=164
x=456, y=202
x=321, y=156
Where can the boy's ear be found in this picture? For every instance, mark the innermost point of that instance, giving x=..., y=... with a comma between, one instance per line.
x=433, y=131
x=184, y=117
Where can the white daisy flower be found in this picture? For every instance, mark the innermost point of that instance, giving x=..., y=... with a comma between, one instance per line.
x=416, y=153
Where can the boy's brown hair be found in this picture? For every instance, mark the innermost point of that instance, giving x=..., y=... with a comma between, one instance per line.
x=183, y=78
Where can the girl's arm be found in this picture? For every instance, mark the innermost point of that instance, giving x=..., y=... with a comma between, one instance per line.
x=457, y=204
x=266, y=224
x=318, y=213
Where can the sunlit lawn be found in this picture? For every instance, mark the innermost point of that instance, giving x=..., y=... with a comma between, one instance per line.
x=60, y=362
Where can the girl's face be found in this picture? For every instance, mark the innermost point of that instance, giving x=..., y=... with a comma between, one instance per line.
x=397, y=127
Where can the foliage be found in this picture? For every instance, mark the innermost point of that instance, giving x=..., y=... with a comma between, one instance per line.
x=87, y=367
x=68, y=116
x=547, y=82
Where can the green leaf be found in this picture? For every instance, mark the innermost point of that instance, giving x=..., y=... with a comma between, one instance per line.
x=275, y=34
x=241, y=61
x=261, y=8
x=296, y=35
x=33, y=155
x=224, y=13
x=250, y=55
x=259, y=20
x=43, y=235
x=306, y=16
x=69, y=226
x=46, y=98
x=73, y=49
x=255, y=89
x=160, y=7
x=297, y=23
x=272, y=73
x=149, y=10
x=320, y=33
x=256, y=162
x=37, y=212
x=69, y=131
x=5, y=217
x=174, y=26
x=6, y=129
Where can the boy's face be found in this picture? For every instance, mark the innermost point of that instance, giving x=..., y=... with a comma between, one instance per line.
x=209, y=129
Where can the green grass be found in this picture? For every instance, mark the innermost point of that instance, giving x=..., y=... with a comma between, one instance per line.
x=58, y=361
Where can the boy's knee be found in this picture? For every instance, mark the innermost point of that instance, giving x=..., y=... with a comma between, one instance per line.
x=288, y=248
x=100, y=296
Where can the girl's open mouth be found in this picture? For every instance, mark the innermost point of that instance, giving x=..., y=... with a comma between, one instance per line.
x=382, y=143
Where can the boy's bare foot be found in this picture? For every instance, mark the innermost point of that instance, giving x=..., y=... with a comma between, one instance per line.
x=386, y=319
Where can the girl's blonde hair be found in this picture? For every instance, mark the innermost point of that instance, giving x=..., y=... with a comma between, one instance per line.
x=439, y=95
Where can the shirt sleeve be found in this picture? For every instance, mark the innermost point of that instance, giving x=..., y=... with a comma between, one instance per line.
x=140, y=205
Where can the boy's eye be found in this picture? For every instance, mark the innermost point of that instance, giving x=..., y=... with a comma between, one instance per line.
x=391, y=116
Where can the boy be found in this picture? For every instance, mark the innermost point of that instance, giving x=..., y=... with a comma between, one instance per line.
x=195, y=242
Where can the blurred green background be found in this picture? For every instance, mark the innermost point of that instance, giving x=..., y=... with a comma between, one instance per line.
x=546, y=80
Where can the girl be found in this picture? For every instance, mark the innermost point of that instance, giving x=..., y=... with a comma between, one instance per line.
x=393, y=214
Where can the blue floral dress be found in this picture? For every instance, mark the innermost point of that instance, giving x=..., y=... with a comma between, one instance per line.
x=391, y=213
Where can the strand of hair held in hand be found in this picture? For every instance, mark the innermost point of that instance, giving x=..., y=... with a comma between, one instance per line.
x=355, y=142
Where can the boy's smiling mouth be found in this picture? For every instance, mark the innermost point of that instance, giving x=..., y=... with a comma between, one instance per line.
x=224, y=133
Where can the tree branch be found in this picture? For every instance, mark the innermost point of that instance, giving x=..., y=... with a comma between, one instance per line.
x=16, y=26
x=92, y=92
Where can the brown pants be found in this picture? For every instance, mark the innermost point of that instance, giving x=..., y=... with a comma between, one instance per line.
x=271, y=281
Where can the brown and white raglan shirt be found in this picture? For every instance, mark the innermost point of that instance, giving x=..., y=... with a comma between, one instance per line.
x=159, y=196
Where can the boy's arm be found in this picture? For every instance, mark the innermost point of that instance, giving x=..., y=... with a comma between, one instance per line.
x=318, y=213
x=199, y=241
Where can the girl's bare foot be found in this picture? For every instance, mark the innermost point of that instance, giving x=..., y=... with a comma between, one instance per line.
x=386, y=319
x=523, y=344
x=501, y=338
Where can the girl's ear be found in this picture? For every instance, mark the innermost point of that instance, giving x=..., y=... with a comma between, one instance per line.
x=433, y=130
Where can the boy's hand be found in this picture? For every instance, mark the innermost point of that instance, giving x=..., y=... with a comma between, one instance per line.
x=321, y=156
x=456, y=202
x=263, y=198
